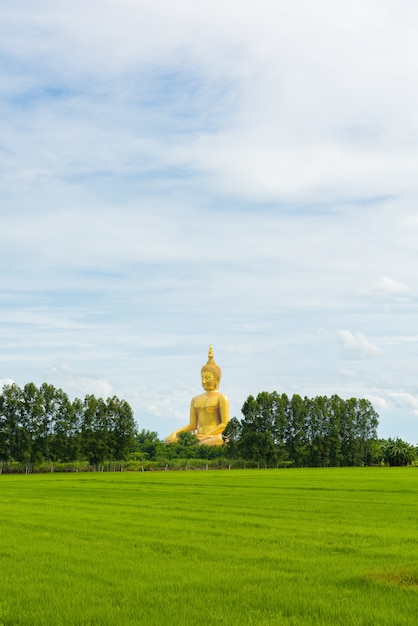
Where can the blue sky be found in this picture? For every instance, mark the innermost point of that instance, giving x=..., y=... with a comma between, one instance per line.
x=241, y=174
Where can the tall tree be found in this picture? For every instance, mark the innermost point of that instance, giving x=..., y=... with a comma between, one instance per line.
x=95, y=431
x=32, y=425
x=367, y=422
x=257, y=437
x=120, y=420
x=61, y=424
x=11, y=401
x=232, y=437
x=297, y=443
x=281, y=416
x=333, y=430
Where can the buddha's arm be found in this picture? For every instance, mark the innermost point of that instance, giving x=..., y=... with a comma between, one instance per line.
x=224, y=409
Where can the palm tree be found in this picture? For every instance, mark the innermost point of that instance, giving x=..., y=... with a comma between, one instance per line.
x=397, y=452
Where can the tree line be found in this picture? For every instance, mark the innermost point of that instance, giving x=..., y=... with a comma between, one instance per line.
x=317, y=432
x=43, y=424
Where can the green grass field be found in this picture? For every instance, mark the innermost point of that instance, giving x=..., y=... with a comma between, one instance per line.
x=254, y=547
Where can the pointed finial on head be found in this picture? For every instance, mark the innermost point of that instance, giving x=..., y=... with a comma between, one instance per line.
x=211, y=366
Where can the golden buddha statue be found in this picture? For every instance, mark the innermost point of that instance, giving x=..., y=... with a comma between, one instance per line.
x=209, y=412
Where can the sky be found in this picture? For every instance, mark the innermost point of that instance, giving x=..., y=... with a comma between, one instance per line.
x=241, y=174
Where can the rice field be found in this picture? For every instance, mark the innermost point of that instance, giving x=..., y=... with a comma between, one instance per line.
x=335, y=546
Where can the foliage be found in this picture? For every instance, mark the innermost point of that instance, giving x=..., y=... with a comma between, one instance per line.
x=319, y=431
x=42, y=430
x=187, y=439
x=396, y=452
x=43, y=425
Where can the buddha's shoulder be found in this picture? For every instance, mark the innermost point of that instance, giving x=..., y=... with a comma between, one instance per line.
x=214, y=396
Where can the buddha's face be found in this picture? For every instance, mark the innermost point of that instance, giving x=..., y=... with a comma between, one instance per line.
x=209, y=382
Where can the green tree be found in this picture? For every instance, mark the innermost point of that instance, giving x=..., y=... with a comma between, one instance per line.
x=11, y=401
x=186, y=447
x=149, y=445
x=397, y=452
x=231, y=437
x=296, y=442
x=257, y=441
x=44, y=425
x=350, y=441
x=316, y=431
x=95, y=444
x=187, y=439
x=317, y=419
x=120, y=420
x=366, y=426
x=333, y=429
x=55, y=441
x=281, y=423
x=32, y=431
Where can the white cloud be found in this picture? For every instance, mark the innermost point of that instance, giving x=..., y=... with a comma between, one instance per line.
x=309, y=93
x=76, y=384
x=378, y=402
x=348, y=374
x=175, y=174
x=404, y=400
x=356, y=345
x=390, y=288
x=6, y=381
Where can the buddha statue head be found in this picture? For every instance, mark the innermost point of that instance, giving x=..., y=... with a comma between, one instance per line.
x=211, y=368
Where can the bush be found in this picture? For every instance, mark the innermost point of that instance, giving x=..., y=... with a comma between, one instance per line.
x=397, y=452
